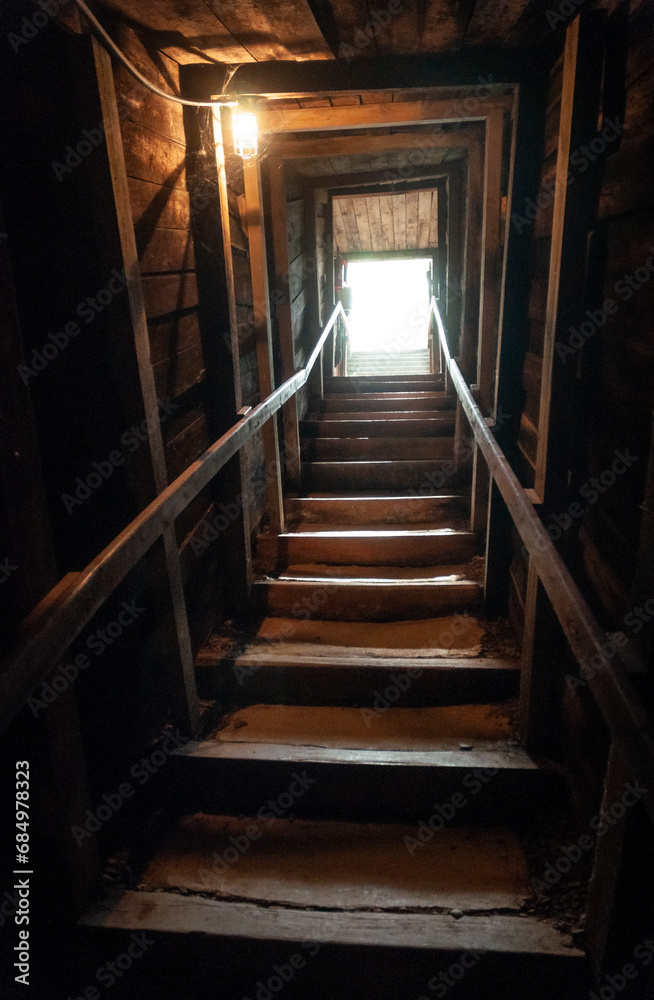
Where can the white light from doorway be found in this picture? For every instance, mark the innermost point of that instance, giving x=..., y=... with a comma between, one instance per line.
x=390, y=305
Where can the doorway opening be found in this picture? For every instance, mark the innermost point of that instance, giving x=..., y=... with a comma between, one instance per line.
x=389, y=318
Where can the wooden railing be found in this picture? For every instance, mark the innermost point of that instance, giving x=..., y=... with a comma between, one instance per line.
x=57, y=621
x=616, y=697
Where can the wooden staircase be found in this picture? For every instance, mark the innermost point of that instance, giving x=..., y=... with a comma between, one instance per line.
x=361, y=786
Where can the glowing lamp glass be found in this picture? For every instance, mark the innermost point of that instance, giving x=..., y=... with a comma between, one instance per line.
x=244, y=126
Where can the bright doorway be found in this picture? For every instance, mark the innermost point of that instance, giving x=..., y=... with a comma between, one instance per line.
x=390, y=311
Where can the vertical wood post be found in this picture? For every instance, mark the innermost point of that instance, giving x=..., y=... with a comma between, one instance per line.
x=284, y=316
x=454, y=275
x=580, y=92
x=263, y=335
x=488, y=304
x=186, y=708
x=605, y=876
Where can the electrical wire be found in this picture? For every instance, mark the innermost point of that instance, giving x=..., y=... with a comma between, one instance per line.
x=111, y=47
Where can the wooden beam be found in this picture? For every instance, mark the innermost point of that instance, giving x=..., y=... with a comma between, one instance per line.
x=380, y=177
x=490, y=261
x=581, y=88
x=217, y=311
x=186, y=708
x=607, y=865
x=290, y=149
x=263, y=335
x=454, y=261
x=284, y=316
x=372, y=115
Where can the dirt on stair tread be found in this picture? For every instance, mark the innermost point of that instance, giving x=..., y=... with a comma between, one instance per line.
x=403, y=574
x=341, y=865
x=451, y=635
x=451, y=727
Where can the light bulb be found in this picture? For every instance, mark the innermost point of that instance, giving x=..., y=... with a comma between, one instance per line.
x=244, y=127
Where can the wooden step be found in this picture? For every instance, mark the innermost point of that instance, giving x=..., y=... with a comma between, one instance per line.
x=171, y=913
x=339, y=402
x=442, y=413
x=228, y=773
x=340, y=449
x=377, y=598
x=355, y=384
x=421, y=475
x=385, y=427
x=367, y=548
x=373, y=510
x=311, y=674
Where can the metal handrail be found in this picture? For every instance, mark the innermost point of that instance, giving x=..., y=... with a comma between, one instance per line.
x=617, y=699
x=62, y=614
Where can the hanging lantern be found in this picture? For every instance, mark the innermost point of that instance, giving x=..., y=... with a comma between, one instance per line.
x=245, y=129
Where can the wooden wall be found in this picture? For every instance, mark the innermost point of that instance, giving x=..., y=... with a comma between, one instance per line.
x=538, y=215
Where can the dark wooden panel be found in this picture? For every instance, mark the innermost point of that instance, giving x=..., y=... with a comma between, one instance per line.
x=156, y=206
x=176, y=375
x=152, y=157
x=166, y=250
x=172, y=336
x=169, y=293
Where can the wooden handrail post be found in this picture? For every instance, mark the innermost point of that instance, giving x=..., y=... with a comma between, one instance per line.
x=263, y=336
x=284, y=316
x=186, y=707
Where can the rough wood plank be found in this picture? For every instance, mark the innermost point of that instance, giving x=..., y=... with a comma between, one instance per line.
x=168, y=913
x=365, y=115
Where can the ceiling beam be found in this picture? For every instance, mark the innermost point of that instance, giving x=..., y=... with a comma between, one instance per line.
x=291, y=149
x=430, y=172
x=379, y=115
x=480, y=68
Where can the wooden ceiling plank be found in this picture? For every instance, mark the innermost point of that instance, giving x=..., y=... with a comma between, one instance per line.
x=412, y=198
x=340, y=236
x=386, y=209
x=349, y=223
x=296, y=27
x=347, y=145
x=250, y=27
x=492, y=20
x=398, y=202
x=424, y=218
x=206, y=35
x=367, y=115
x=361, y=215
x=375, y=222
x=433, y=221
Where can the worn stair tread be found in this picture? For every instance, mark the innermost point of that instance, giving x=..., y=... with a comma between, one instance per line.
x=389, y=428
x=402, y=402
x=449, y=635
x=321, y=508
x=167, y=912
x=342, y=865
x=339, y=449
x=379, y=575
x=478, y=726
x=458, y=524
x=366, y=547
x=416, y=474
x=442, y=415
x=508, y=760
